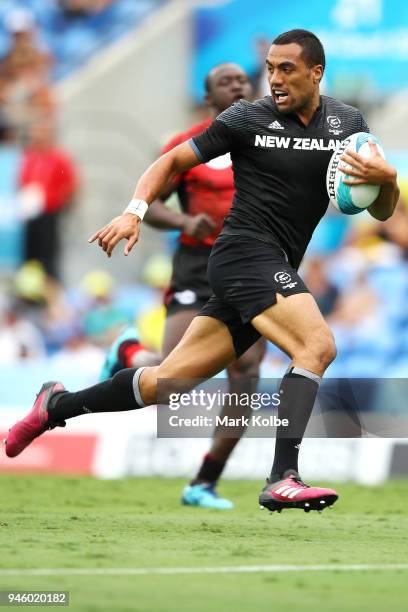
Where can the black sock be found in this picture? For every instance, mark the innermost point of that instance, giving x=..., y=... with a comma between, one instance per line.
x=297, y=392
x=111, y=395
x=209, y=471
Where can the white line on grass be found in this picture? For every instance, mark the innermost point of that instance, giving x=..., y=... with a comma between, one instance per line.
x=237, y=569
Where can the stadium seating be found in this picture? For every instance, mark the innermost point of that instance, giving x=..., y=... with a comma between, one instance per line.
x=73, y=40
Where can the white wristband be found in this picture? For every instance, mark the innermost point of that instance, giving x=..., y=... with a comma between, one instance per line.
x=137, y=207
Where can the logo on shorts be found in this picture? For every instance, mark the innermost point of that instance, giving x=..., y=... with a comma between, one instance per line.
x=335, y=124
x=285, y=279
x=185, y=297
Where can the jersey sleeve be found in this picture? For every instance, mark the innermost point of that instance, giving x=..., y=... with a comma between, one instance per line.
x=221, y=135
x=361, y=124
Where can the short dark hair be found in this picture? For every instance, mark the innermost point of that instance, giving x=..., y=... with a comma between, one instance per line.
x=313, y=52
x=208, y=79
x=207, y=83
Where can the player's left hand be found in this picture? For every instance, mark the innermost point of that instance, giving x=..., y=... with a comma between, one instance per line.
x=373, y=170
x=126, y=226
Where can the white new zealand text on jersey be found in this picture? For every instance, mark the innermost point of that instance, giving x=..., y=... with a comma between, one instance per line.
x=303, y=144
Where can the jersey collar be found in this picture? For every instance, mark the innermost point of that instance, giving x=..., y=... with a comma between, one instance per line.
x=294, y=117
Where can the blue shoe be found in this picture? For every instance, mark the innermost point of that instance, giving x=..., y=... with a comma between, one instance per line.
x=112, y=363
x=204, y=496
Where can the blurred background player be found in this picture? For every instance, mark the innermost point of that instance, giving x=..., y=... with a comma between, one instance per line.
x=48, y=182
x=205, y=194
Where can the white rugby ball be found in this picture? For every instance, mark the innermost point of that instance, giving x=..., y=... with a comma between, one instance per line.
x=348, y=199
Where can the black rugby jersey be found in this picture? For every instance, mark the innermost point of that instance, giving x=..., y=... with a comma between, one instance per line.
x=279, y=167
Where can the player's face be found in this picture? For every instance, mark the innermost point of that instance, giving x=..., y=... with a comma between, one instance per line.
x=293, y=83
x=228, y=84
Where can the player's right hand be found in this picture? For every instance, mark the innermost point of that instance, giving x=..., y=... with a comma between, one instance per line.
x=126, y=226
x=199, y=226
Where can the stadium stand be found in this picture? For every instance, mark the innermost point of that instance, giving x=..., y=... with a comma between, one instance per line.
x=74, y=38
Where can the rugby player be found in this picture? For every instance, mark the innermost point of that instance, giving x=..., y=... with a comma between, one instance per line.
x=205, y=193
x=280, y=148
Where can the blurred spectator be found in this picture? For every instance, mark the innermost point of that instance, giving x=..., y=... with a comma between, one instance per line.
x=151, y=322
x=7, y=131
x=19, y=337
x=44, y=303
x=25, y=93
x=78, y=349
x=103, y=319
x=81, y=8
x=48, y=180
x=395, y=229
x=25, y=60
x=30, y=285
x=316, y=279
x=368, y=233
x=356, y=305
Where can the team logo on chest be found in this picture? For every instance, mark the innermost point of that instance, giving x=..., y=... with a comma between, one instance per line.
x=335, y=125
x=275, y=125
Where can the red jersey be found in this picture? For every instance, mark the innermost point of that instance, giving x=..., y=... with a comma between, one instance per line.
x=54, y=171
x=207, y=188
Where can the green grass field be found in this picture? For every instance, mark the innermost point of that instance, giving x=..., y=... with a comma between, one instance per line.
x=83, y=523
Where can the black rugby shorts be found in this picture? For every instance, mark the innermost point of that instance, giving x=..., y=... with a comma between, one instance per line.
x=245, y=275
x=189, y=288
